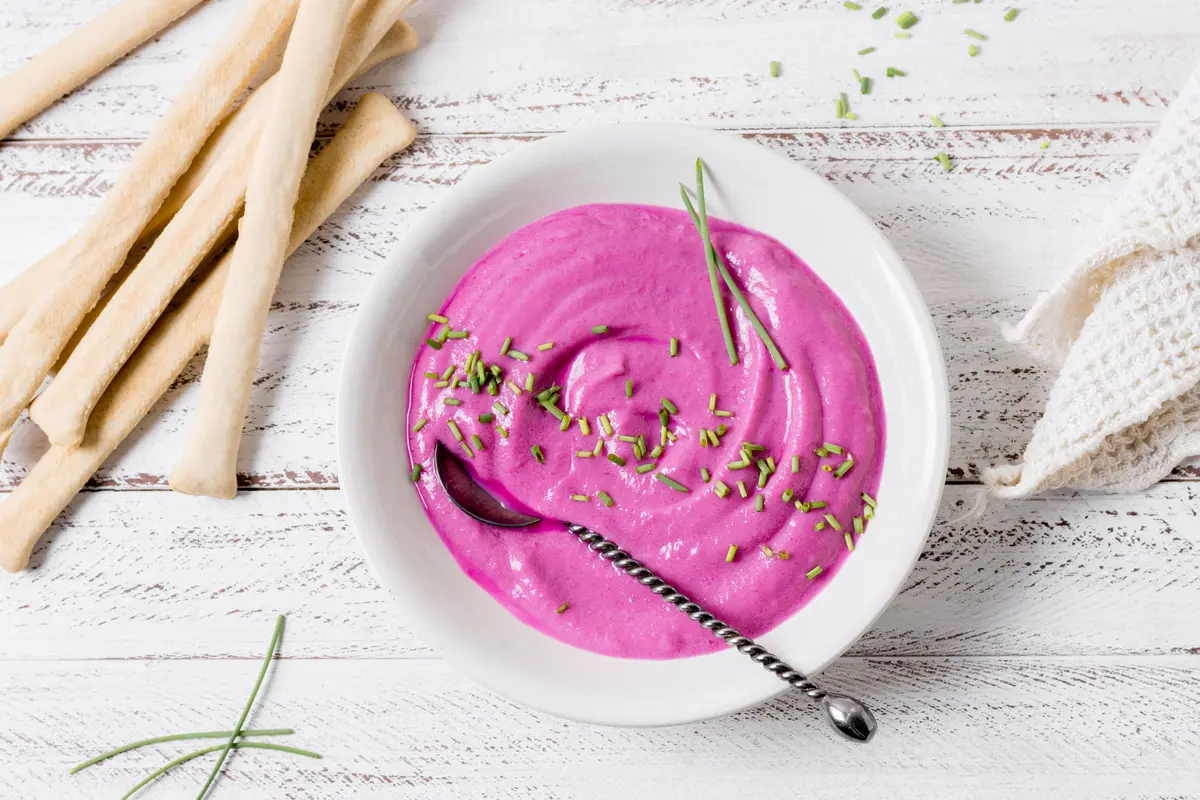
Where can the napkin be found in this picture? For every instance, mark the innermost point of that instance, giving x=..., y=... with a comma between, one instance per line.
x=1123, y=330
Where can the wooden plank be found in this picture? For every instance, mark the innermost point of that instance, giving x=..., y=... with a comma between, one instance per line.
x=979, y=255
x=156, y=575
x=993, y=729
x=556, y=64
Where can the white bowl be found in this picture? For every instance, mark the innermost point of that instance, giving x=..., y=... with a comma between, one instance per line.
x=636, y=163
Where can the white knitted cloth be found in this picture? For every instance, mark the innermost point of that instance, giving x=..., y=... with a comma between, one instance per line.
x=1124, y=329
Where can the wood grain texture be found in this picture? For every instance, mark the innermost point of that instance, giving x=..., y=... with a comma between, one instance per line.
x=154, y=575
x=994, y=729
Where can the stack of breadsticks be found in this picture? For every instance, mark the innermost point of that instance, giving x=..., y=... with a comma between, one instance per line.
x=114, y=332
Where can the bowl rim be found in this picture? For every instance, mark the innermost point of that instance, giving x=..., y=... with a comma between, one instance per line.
x=352, y=437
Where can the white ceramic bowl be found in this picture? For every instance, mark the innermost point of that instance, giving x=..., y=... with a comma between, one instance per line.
x=636, y=163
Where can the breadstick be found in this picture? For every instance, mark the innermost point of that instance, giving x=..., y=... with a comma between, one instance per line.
x=81, y=55
x=374, y=131
x=62, y=409
x=209, y=463
x=97, y=251
x=19, y=294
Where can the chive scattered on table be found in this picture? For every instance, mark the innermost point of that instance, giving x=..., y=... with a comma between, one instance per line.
x=902, y=35
x=710, y=255
x=937, y=122
x=644, y=468
x=731, y=554
x=1011, y=14
x=857, y=77
x=674, y=484
x=879, y=13
x=864, y=85
x=943, y=158
x=538, y=455
x=415, y=475
x=627, y=439
x=616, y=459
x=674, y=347
x=814, y=572
x=866, y=51
x=758, y=502
x=907, y=20
x=973, y=50
x=598, y=329
x=605, y=498
x=774, y=69
x=849, y=542
x=850, y=115
x=467, y=449
x=419, y=424
x=892, y=72
x=1045, y=144
x=851, y=6
x=437, y=318
x=975, y=35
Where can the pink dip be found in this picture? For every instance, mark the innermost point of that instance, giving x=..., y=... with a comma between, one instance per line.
x=641, y=271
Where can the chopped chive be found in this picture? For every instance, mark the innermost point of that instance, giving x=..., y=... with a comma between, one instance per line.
x=722, y=413
x=664, y=417
x=845, y=101
x=442, y=385
x=738, y=464
x=944, y=159
x=493, y=389
x=937, y=123
x=599, y=448
x=705, y=475
x=787, y=495
x=486, y=417
x=795, y=463
x=763, y=477
x=529, y=382
x=802, y=506
x=850, y=115
x=605, y=498
x=434, y=343
x=641, y=441
x=869, y=500
x=840, y=109
x=453, y=426
x=973, y=50
x=604, y=423
x=516, y=389
x=433, y=376
x=538, y=455
x=598, y=329
x=480, y=371
x=669, y=406
x=731, y=554
x=827, y=468
x=467, y=449
x=771, y=463
x=712, y=439
x=1045, y=144
x=458, y=334
x=563, y=608
x=628, y=388
x=674, y=347
x=833, y=523
x=548, y=395
x=814, y=572
x=900, y=35
x=453, y=401
x=671, y=437
x=657, y=451
x=758, y=502
x=644, y=468
x=419, y=424
x=500, y=408
x=864, y=85
x=674, y=484
x=892, y=72
x=507, y=344
x=857, y=77
x=1011, y=14
x=880, y=13
x=449, y=373
x=845, y=466
x=852, y=6
x=471, y=359
x=616, y=459
x=443, y=334
x=907, y=20
x=502, y=431
x=866, y=51
x=628, y=439
x=437, y=318
x=415, y=475
x=546, y=346
x=720, y=489
x=742, y=489
x=784, y=554
x=712, y=402
x=767, y=551
x=565, y=422
x=833, y=448
x=763, y=466
x=558, y=413
x=584, y=427
x=858, y=525
x=774, y=69
x=710, y=256
x=518, y=355
x=818, y=504
x=869, y=513
x=583, y=454
x=581, y=498
x=703, y=438
x=975, y=35
x=475, y=440
x=849, y=542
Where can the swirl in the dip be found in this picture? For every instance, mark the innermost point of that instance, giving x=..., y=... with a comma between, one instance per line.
x=641, y=271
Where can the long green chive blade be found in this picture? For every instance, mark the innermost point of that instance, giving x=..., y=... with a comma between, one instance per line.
x=415, y=475
x=538, y=455
x=563, y=608
x=975, y=35
x=475, y=440
x=616, y=459
x=814, y=572
x=605, y=498
x=669, y=406
x=774, y=69
x=866, y=51
x=795, y=463
x=437, y=318
x=598, y=329
x=880, y=13
x=420, y=424
x=644, y=468
x=858, y=525
x=869, y=500
x=907, y=20
x=973, y=50
x=701, y=220
x=731, y=554
x=628, y=388
x=758, y=502
x=674, y=347
x=674, y=484
x=176, y=737
x=518, y=355
x=1011, y=14
x=505, y=347
x=546, y=346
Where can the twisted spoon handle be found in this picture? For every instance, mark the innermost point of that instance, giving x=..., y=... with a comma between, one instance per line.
x=850, y=718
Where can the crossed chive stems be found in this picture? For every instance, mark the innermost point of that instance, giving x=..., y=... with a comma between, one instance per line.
x=234, y=739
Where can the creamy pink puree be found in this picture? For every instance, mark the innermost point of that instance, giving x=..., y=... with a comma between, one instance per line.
x=641, y=270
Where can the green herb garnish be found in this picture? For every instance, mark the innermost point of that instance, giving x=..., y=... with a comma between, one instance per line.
x=669, y=406
x=937, y=123
x=505, y=347
x=858, y=525
x=774, y=69
x=833, y=523
x=475, y=440
x=818, y=504
x=742, y=489
x=787, y=495
x=901, y=35
x=584, y=427
x=674, y=347
x=583, y=454
x=420, y=424
x=866, y=51
x=907, y=20
x=852, y=6
x=467, y=449
x=434, y=343
x=598, y=329
x=564, y=422
x=864, y=85
x=538, y=455
x=437, y=318
x=869, y=500
x=731, y=554
x=563, y=608
x=546, y=346
x=710, y=256
x=452, y=401
x=832, y=448
x=605, y=424
x=674, y=484
x=1011, y=14
x=844, y=467
x=973, y=50
x=457, y=334
x=529, y=382
x=720, y=489
x=705, y=475
x=605, y=498
x=644, y=468
x=944, y=159
x=814, y=572
x=628, y=388
x=849, y=542
x=453, y=426
x=892, y=72
x=581, y=498
x=880, y=13
x=518, y=355
x=795, y=463
x=975, y=35
x=415, y=475
x=758, y=502
x=616, y=459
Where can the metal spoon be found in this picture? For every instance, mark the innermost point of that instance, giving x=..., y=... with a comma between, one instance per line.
x=850, y=718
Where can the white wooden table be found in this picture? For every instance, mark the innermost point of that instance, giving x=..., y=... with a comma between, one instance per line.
x=1049, y=648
